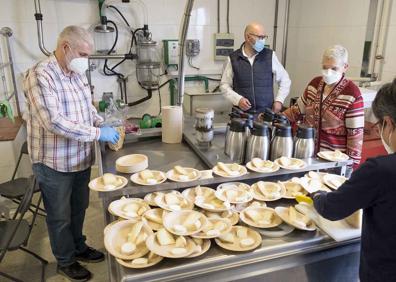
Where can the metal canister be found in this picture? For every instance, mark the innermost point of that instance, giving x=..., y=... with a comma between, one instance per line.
x=204, y=126
x=304, y=146
x=282, y=143
x=258, y=144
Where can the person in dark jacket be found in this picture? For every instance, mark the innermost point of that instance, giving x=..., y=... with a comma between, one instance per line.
x=372, y=188
x=249, y=72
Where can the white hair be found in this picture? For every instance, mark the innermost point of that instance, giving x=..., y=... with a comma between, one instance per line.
x=75, y=35
x=338, y=53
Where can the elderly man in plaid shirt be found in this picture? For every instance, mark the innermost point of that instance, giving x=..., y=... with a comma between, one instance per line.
x=62, y=126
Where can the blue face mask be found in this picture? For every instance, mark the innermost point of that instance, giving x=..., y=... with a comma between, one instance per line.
x=259, y=45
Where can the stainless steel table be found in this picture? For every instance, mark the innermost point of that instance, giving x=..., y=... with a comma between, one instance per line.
x=278, y=259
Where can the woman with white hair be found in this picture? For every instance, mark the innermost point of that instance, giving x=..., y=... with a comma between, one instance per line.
x=333, y=105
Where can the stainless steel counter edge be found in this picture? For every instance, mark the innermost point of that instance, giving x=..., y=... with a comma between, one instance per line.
x=139, y=190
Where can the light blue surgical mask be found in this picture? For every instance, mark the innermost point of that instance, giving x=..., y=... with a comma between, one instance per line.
x=259, y=45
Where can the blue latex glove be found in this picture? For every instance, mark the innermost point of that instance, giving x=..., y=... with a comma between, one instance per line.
x=109, y=134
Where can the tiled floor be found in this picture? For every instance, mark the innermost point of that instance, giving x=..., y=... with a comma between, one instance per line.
x=27, y=268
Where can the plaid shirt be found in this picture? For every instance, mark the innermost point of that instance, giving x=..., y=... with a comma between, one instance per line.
x=60, y=117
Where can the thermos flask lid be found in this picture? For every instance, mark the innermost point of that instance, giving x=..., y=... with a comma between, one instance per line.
x=305, y=132
x=268, y=115
x=260, y=129
x=237, y=125
x=283, y=130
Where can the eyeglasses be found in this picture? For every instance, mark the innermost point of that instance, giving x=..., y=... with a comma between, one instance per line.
x=261, y=37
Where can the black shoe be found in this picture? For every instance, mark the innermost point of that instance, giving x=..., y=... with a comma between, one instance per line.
x=90, y=255
x=74, y=272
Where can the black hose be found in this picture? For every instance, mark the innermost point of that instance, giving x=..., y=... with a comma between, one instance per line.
x=218, y=16
x=105, y=66
x=228, y=16
x=119, y=12
x=148, y=97
x=160, y=101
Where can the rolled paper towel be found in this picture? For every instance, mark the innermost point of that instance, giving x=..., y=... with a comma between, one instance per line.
x=172, y=124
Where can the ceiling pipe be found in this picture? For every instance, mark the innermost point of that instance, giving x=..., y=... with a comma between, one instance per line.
x=275, y=25
x=182, y=41
x=39, y=20
x=285, y=32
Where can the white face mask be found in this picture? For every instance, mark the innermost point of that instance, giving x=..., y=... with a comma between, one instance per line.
x=386, y=146
x=78, y=65
x=331, y=76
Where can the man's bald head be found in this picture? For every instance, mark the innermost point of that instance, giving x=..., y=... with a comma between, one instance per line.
x=254, y=28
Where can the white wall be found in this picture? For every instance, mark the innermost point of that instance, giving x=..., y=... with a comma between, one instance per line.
x=315, y=25
x=389, y=67
x=164, y=18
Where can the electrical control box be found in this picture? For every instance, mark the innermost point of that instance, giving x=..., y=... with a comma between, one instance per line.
x=192, y=47
x=223, y=45
x=171, y=52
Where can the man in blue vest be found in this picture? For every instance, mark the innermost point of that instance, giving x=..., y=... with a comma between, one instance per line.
x=249, y=73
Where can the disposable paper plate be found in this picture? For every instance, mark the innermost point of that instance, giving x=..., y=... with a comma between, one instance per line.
x=183, y=219
x=132, y=264
x=198, y=251
x=212, y=204
x=199, y=191
x=291, y=188
x=258, y=195
x=312, y=185
x=234, y=193
x=283, y=213
x=241, y=170
x=333, y=156
x=236, y=185
x=236, y=245
x=193, y=174
x=149, y=198
x=98, y=185
x=166, y=251
x=263, y=169
x=183, y=203
x=132, y=163
x=232, y=216
x=117, y=235
x=334, y=181
x=107, y=227
x=148, y=216
x=290, y=163
x=253, y=204
x=159, y=177
x=279, y=231
x=124, y=208
x=206, y=233
x=275, y=221
x=206, y=174
x=315, y=175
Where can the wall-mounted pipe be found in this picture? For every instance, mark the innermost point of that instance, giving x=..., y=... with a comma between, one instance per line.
x=382, y=34
x=275, y=25
x=285, y=33
x=39, y=20
x=182, y=41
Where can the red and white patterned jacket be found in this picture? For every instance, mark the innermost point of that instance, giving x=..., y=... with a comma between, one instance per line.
x=338, y=119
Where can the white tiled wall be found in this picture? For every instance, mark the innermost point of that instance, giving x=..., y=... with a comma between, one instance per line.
x=315, y=25
x=164, y=18
x=389, y=68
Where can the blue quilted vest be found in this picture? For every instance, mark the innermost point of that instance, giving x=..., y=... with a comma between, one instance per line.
x=254, y=82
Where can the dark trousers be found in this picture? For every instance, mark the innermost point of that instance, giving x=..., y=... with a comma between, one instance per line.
x=65, y=197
